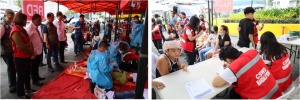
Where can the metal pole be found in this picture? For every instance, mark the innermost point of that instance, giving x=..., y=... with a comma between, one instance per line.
x=117, y=18
x=251, y=3
x=142, y=69
x=105, y=21
x=128, y=31
x=58, y=6
x=212, y=13
x=208, y=16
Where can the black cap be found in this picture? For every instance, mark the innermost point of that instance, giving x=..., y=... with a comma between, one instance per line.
x=156, y=15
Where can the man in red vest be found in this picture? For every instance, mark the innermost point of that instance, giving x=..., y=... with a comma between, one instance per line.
x=247, y=74
x=203, y=24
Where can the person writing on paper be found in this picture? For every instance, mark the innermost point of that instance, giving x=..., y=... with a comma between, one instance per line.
x=247, y=74
x=169, y=61
x=277, y=59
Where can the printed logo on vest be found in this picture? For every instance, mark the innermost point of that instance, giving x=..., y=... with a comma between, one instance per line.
x=262, y=76
x=286, y=64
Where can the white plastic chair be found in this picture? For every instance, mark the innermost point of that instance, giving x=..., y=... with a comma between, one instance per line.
x=286, y=94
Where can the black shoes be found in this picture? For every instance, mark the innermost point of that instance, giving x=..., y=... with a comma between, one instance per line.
x=38, y=83
x=12, y=90
x=31, y=91
x=63, y=62
x=42, y=64
x=51, y=70
x=25, y=97
x=40, y=79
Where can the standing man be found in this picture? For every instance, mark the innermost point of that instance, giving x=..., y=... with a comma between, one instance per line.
x=204, y=24
x=247, y=29
x=78, y=38
x=96, y=28
x=37, y=42
x=52, y=42
x=159, y=22
x=6, y=48
x=184, y=20
x=62, y=37
x=109, y=29
x=174, y=19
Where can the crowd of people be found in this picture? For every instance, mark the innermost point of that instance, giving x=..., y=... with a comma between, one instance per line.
x=265, y=71
x=22, y=46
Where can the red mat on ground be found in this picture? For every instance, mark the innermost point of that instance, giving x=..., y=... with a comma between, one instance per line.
x=66, y=86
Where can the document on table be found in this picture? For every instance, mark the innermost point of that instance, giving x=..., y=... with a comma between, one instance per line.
x=198, y=89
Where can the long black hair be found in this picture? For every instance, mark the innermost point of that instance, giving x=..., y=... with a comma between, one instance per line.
x=270, y=47
x=194, y=22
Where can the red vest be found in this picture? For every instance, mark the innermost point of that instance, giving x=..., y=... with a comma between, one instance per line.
x=18, y=53
x=255, y=35
x=130, y=56
x=254, y=80
x=281, y=70
x=186, y=44
x=156, y=35
x=203, y=25
x=184, y=21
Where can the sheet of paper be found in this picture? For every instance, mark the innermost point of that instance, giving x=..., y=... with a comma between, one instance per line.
x=198, y=89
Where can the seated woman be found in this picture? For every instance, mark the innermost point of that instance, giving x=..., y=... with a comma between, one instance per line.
x=210, y=43
x=169, y=61
x=223, y=40
x=171, y=32
x=277, y=59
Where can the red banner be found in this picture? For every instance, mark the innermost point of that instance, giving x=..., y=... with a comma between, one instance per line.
x=30, y=7
x=223, y=5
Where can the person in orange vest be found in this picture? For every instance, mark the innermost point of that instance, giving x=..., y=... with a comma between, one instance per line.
x=277, y=59
x=247, y=74
x=189, y=36
x=156, y=36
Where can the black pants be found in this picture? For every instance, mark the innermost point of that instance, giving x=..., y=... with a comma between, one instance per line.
x=11, y=71
x=23, y=72
x=242, y=43
x=158, y=45
x=191, y=56
x=44, y=48
x=234, y=95
x=35, y=67
x=62, y=50
x=93, y=85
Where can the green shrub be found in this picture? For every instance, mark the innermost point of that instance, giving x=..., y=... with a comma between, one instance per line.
x=286, y=15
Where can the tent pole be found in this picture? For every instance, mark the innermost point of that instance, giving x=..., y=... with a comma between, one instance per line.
x=117, y=18
x=58, y=6
x=212, y=12
x=209, y=22
x=143, y=63
x=128, y=31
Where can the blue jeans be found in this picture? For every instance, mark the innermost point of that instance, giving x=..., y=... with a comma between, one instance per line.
x=78, y=42
x=53, y=50
x=203, y=52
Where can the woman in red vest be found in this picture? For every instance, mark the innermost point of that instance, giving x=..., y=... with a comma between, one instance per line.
x=277, y=59
x=247, y=74
x=156, y=36
x=23, y=53
x=189, y=36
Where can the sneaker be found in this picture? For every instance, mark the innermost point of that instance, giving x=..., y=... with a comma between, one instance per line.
x=12, y=90
x=25, y=97
x=31, y=91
